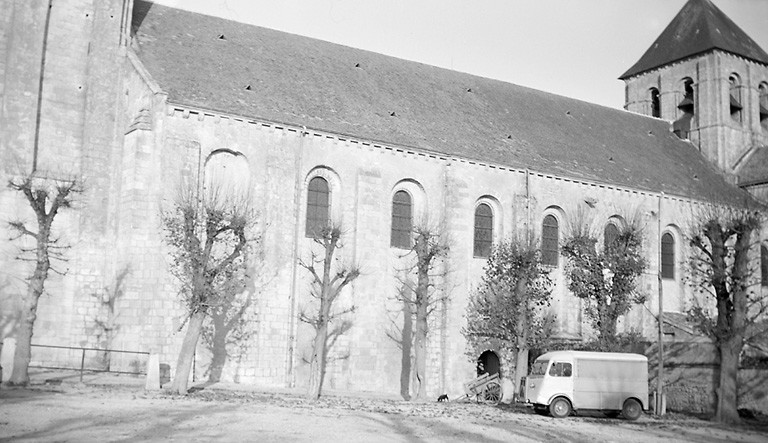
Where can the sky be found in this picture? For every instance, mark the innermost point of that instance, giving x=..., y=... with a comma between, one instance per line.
x=575, y=48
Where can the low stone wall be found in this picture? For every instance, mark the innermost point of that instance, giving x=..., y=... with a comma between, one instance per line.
x=690, y=377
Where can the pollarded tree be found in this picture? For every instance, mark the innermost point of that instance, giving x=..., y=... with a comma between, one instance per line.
x=46, y=197
x=209, y=241
x=723, y=241
x=508, y=307
x=329, y=278
x=606, y=278
x=430, y=247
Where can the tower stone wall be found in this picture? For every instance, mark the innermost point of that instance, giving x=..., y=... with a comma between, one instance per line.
x=720, y=138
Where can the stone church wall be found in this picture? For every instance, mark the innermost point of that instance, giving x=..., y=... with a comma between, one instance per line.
x=133, y=147
x=363, y=179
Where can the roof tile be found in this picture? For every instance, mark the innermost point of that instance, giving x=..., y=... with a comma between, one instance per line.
x=306, y=82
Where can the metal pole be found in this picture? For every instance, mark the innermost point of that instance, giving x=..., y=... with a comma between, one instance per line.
x=660, y=371
x=82, y=366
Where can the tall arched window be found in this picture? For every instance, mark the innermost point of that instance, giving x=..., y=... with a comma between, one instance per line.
x=734, y=92
x=318, y=206
x=610, y=234
x=764, y=265
x=483, y=230
x=550, y=236
x=682, y=126
x=667, y=256
x=763, y=107
x=402, y=220
x=655, y=103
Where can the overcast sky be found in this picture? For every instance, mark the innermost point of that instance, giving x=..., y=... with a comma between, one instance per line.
x=575, y=48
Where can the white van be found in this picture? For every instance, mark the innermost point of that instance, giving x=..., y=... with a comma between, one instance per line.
x=564, y=381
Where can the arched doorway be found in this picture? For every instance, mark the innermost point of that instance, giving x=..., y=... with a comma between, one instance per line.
x=488, y=362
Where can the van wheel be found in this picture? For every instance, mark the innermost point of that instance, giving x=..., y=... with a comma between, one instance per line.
x=632, y=409
x=560, y=407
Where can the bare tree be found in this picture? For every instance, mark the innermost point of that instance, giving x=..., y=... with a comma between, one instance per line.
x=722, y=242
x=329, y=278
x=508, y=306
x=420, y=299
x=209, y=241
x=606, y=279
x=46, y=197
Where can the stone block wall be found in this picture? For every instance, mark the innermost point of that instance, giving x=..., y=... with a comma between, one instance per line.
x=721, y=139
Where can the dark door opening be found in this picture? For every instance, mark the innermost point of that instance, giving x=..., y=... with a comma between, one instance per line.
x=488, y=362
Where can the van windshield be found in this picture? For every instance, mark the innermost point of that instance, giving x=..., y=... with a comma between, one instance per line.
x=539, y=367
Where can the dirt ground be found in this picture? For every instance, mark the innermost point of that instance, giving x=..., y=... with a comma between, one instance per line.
x=84, y=413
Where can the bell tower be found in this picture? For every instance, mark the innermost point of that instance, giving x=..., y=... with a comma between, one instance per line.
x=710, y=80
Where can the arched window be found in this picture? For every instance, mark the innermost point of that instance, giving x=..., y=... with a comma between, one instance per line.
x=550, y=237
x=734, y=92
x=667, y=256
x=610, y=234
x=682, y=126
x=764, y=265
x=402, y=220
x=763, y=107
x=655, y=103
x=318, y=206
x=483, y=230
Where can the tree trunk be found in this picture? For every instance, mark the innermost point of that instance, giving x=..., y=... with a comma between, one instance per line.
x=523, y=332
x=521, y=369
x=405, y=361
x=23, y=353
x=420, y=356
x=316, y=370
x=187, y=354
x=727, y=390
x=420, y=336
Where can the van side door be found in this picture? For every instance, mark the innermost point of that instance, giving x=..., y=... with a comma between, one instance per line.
x=559, y=379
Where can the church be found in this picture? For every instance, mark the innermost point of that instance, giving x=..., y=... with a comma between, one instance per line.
x=134, y=97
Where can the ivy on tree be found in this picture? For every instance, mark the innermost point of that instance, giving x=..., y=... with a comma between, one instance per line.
x=606, y=278
x=507, y=310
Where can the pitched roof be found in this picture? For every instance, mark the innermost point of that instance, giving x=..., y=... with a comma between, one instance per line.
x=207, y=62
x=699, y=27
x=755, y=166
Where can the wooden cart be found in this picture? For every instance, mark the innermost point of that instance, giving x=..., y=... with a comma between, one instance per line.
x=485, y=388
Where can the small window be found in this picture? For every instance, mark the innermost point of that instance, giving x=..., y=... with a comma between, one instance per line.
x=550, y=236
x=734, y=93
x=667, y=256
x=610, y=234
x=402, y=224
x=560, y=369
x=318, y=205
x=764, y=265
x=655, y=103
x=483, y=230
x=539, y=367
